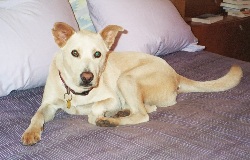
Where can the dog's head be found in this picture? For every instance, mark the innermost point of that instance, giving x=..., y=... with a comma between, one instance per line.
x=82, y=56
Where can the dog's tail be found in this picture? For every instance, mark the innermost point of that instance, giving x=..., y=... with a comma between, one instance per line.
x=228, y=81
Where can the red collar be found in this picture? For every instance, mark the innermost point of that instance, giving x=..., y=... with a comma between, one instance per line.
x=68, y=90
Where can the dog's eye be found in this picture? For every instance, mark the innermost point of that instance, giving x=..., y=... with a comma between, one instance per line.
x=75, y=53
x=97, y=54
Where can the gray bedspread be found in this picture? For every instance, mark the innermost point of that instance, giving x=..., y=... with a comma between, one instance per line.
x=200, y=126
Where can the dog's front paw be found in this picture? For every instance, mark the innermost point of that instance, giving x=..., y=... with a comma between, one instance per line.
x=31, y=136
x=106, y=122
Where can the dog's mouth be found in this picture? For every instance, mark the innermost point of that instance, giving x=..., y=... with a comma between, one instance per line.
x=83, y=89
x=86, y=86
x=84, y=93
x=83, y=85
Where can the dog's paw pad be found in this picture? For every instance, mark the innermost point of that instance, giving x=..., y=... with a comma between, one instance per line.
x=122, y=113
x=105, y=123
x=30, y=138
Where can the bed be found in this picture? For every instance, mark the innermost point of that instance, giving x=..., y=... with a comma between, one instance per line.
x=200, y=126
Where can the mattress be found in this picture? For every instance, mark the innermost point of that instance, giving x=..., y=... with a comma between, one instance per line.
x=200, y=126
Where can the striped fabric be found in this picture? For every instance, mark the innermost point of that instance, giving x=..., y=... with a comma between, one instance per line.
x=201, y=126
x=81, y=12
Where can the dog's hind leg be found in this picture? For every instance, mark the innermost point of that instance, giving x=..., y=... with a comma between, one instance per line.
x=130, y=90
x=122, y=113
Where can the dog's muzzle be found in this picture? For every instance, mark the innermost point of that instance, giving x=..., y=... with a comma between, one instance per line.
x=68, y=89
x=86, y=78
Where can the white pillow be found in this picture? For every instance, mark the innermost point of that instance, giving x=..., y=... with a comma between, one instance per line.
x=153, y=26
x=26, y=42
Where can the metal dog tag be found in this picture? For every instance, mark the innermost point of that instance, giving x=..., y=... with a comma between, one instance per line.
x=68, y=99
x=68, y=103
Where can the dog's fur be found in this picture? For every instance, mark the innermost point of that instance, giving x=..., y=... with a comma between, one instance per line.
x=102, y=85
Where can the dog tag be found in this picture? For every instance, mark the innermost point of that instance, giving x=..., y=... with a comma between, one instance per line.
x=68, y=100
x=68, y=103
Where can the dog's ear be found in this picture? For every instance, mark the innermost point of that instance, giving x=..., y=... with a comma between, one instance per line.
x=109, y=34
x=62, y=32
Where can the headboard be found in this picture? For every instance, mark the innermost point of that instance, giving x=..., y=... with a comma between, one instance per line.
x=192, y=8
x=180, y=5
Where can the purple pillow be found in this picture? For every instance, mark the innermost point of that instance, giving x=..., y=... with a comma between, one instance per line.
x=153, y=26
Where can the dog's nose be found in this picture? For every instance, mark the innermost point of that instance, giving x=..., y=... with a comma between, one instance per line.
x=86, y=77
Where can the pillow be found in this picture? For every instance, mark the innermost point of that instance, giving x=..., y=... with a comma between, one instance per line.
x=26, y=42
x=81, y=12
x=153, y=26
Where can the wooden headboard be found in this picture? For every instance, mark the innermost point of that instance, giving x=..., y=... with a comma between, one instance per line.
x=180, y=5
x=192, y=8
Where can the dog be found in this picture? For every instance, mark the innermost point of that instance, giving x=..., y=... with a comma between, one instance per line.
x=86, y=78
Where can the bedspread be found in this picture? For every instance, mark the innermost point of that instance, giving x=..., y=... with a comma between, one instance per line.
x=200, y=126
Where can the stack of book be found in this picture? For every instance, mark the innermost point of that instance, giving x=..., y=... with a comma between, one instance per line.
x=207, y=18
x=239, y=8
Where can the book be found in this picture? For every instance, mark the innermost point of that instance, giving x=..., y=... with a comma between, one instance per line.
x=207, y=18
x=231, y=9
x=243, y=13
x=236, y=10
x=236, y=6
x=237, y=1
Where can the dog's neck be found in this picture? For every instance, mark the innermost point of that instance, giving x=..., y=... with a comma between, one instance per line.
x=68, y=89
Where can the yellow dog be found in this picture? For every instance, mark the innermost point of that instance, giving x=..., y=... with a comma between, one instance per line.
x=113, y=89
